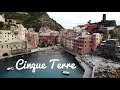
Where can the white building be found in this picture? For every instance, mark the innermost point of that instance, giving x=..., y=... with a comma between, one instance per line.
x=106, y=28
x=11, y=47
x=2, y=19
x=78, y=29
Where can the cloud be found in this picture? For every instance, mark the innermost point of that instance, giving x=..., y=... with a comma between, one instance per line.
x=71, y=19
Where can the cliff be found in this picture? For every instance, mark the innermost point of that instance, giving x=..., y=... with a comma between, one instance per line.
x=33, y=20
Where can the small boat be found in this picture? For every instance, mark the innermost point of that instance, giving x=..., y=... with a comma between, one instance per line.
x=65, y=72
x=10, y=68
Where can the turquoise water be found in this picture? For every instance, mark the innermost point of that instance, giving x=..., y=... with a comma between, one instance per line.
x=39, y=57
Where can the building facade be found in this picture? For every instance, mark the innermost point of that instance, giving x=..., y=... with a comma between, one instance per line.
x=12, y=47
x=70, y=43
x=2, y=19
x=48, y=37
x=32, y=38
x=97, y=39
x=84, y=44
x=13, y=34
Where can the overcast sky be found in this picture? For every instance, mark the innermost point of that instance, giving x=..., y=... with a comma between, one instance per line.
x=70, y=19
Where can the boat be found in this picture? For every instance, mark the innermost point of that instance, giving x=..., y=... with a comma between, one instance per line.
x=10, y=68
x=65, y=72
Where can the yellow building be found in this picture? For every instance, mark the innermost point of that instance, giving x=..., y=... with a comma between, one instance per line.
x=13, y=34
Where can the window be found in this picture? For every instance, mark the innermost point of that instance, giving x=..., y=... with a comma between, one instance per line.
x=11, y=48
x=7, y=46
x=12, y=35
x=2, y=46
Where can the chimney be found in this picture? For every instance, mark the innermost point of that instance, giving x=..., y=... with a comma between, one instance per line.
x=104, y=17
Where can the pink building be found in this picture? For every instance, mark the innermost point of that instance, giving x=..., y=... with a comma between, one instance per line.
x=83, y=44
x=32, y=38
x=87, y=43
x=48, y=40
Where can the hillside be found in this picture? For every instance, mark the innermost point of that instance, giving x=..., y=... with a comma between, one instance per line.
x=33, y=19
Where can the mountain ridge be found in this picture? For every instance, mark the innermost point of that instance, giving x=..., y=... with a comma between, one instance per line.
x=33, y=20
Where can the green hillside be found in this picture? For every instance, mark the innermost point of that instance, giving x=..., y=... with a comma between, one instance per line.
x=33, y=19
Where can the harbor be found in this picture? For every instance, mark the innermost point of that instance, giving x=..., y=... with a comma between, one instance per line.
x=42, y=57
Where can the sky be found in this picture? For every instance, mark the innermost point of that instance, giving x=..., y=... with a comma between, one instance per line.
x=71, y=19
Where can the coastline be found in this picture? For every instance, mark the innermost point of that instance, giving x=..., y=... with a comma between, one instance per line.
x=83, y=65
x=88, y=72
x=32, y=51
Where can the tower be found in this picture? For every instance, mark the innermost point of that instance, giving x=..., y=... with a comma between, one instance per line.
x=104, y=17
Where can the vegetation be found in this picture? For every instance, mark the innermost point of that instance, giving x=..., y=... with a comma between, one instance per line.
x=33, y=19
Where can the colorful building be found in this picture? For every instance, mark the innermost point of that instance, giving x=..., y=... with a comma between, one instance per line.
x=32, y=38
x=97, y=39
x=48, y=37
x=70, y=43
x=47, y=40
x=86, y=43
x=90, y=27
x=83, y=44
x=13, y=34
x=64, y=34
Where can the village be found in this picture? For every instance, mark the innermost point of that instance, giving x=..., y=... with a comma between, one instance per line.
x=94, y=39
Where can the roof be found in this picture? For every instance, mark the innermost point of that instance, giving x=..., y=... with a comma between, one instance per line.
x=72, y=38
x=113, y=39
x=118, y=46
x=9, y=41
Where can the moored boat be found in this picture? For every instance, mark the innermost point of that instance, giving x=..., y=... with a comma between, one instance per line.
x=10, y=68
x=65, y=72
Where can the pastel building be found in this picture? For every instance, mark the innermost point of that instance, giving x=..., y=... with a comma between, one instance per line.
x=32, y=38
x=66, y=33
x=13, y=34
x=70, y=43
x=97, y=39
x=11, y=47
x=84, y=44
x=48, y=37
